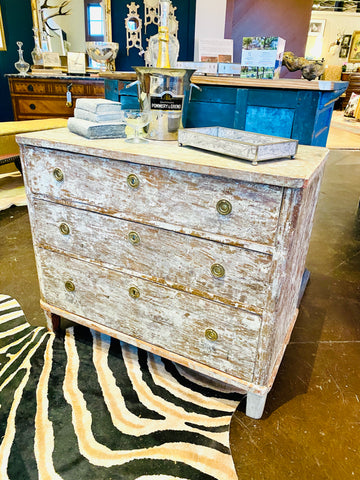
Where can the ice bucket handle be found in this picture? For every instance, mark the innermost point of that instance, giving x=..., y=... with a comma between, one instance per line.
x=192, y=85
x=137, y=82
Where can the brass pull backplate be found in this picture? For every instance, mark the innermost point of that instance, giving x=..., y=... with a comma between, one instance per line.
x=64, y=228
x=133, y=181
x=211, y=334
x=134, y=238
x=223, y=207
x=134, y=292
x=70, y=287
x=58, y=174
x=217, y=270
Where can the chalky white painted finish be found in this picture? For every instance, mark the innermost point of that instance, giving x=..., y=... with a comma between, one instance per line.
x=261, y=244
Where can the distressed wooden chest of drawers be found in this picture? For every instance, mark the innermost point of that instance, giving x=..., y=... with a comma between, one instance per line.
x=196, y=257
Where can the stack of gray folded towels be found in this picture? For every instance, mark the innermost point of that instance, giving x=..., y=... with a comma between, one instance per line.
x=97, y=118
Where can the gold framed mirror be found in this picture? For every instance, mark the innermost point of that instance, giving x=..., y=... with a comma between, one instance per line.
x=2, y=34
x=56, y=23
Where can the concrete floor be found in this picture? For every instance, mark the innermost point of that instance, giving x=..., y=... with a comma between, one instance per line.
x=311, y=425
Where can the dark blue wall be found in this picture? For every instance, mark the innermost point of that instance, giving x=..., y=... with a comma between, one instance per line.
x=17, y=21
x=185, y=14
x=18, y=26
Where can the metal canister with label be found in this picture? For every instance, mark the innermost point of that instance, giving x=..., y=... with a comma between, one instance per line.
x=164, y=92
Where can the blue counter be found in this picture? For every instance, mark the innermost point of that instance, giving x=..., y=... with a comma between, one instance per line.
x=296, y=109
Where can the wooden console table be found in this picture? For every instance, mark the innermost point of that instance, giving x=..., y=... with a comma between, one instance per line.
x=35, y=97
x=193, y=256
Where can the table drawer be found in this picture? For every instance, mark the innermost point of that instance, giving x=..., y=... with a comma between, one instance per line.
x=224, y=273
x=227, y=210
x=176, y=321
x=29, y=87
x=84, y=89
x=43, y=106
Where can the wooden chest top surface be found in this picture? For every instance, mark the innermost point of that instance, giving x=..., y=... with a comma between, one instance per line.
x=292, y=173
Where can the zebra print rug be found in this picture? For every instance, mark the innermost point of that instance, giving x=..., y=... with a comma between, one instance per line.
x=91, y=407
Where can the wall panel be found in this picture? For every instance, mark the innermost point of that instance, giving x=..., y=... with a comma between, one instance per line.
x=288, y=19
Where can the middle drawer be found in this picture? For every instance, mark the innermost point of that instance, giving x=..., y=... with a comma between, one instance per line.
x=224, y=273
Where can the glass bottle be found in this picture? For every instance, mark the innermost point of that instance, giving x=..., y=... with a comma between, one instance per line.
x=36, y=54
x=21, y=65
x=163, y=60
x=155, y=47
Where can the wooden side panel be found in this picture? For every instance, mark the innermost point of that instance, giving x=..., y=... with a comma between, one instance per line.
x=162, y=316
x=179, y=261
x=270, y=121
x=295, y=227
x=208, y=114
x=303, y=128
x=186, y=202
x=354, y=85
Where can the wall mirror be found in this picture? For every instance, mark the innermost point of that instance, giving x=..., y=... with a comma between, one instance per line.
x=66, y=25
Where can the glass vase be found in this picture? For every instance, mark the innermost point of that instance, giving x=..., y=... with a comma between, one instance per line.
x=36, y=54
x=21, y=66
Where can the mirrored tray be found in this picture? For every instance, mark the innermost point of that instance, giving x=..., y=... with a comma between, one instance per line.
x=254, y=147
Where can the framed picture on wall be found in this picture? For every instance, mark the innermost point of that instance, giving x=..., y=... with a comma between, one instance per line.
x=316, y=28
x=354, y=55
x=345, y=42
x=2, y=34
x=344, y=51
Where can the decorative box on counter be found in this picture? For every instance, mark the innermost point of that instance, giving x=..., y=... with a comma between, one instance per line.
x=229, y=68
x=200, y=67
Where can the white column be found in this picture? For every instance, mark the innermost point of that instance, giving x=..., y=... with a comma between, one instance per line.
x=209, y=21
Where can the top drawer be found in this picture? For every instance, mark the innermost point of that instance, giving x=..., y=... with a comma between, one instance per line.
x=220, y=209
x=56, y=87
x=29, y=87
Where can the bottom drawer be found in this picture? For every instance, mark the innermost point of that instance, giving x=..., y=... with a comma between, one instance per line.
x=159, y=315
x=44, y=106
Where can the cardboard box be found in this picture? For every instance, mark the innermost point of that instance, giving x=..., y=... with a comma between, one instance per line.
x=200, y=67
x=229, y=68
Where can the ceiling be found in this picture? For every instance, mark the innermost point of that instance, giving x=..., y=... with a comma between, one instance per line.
x=335, y=6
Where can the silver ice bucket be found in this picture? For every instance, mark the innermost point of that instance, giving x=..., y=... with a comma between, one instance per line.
x=164, y=92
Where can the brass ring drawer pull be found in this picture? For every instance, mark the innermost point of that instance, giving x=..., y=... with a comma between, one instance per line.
x=134, y=238
x=133, y=181
x=58, y=174
x=70, y=287
x=217, y=270
x=134, y=292
x=211, y=334
x=64, y=229
x=223, y=207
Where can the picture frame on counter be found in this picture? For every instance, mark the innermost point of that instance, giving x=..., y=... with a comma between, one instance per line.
x=76, y=63
x=2, y=34
x=51, y=60
x=354, y=55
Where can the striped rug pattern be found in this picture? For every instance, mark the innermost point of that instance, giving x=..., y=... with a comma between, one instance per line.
x=87, y=406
